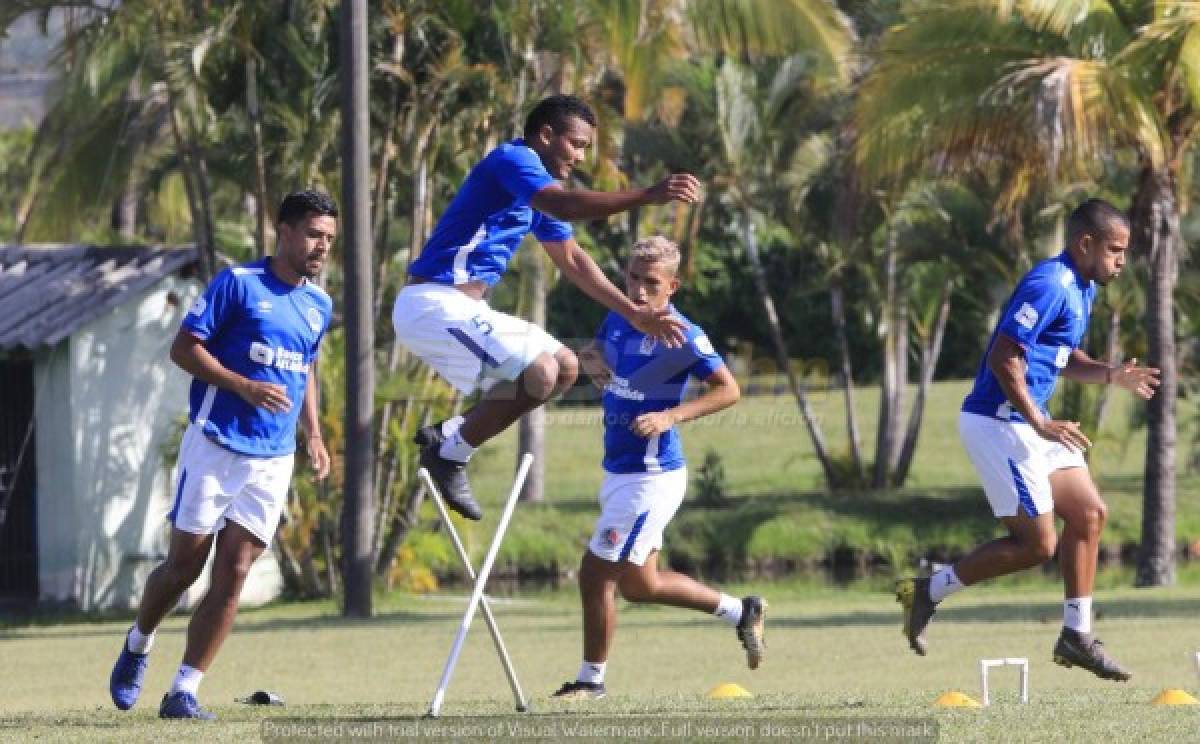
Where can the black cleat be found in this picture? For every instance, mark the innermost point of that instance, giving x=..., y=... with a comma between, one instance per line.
x=581, y=691
x=913, y=595
x=1087, y=652
x=449, y=476
x=750, y=629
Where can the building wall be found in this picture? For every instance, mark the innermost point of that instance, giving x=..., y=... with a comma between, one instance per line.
x=112, y=405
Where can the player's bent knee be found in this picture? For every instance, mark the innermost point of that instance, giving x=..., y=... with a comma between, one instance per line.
x=539, y=377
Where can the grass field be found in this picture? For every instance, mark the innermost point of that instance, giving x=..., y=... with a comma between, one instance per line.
x=831, y=653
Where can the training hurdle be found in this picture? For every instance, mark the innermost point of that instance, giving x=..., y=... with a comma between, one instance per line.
x=478, y=601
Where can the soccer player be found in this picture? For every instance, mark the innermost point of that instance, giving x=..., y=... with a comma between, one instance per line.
x=645, y=475
x=250, y=343
x=442, y=317
x=1031, y=465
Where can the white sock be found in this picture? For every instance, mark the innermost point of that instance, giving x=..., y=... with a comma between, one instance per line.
x=944, y=583
x=1077, y=614
x=592, y=672
x=451, y=425
x=456, y=448
x=729, y=609
x=139, y=642
x=187, y=679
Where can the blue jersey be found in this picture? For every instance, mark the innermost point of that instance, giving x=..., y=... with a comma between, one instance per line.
x=1048, y=316
x=647, y=377
x=266, y=330
x=489, y=216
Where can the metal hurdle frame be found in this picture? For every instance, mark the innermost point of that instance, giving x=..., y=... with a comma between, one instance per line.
x=986, y=664
x=478, y=600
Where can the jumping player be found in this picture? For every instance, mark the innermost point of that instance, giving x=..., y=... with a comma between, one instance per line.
x=645, y=475
x=1031, y=465
x=442, y=317
x=250, y=341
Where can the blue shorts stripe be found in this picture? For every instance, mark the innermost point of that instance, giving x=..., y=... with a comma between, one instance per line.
x=1023, y=495
x=178, y=497
x=473, y=347
x=633, y=534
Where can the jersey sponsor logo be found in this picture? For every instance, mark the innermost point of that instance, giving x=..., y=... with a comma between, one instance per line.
x=315, y=321
x=1026, y=316
x=199, y=306
x=1063, y=356
x=704, y=346
x=290, y=361
x=620, y=388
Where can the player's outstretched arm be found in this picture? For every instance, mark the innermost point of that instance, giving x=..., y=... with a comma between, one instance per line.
x=722, y=392
x=581, y=204
x=1141, y=381
x=189, y=353
x=1006, y=360
x=579, y=268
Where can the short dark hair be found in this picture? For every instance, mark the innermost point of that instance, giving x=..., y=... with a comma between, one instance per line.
x=296, y=205
x=1094, y=217
x=555, y=111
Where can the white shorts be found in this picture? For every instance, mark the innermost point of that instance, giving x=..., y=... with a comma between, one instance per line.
x=214, y=485
x=634, y=510
x=1014, y=463
x=464, y=339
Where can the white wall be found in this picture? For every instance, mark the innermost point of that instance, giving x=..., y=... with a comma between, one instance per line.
x=110, y=401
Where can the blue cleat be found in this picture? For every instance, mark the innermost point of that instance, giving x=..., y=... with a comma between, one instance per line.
x=183, y=705
x=125, y=682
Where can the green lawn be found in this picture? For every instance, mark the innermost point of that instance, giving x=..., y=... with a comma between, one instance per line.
x=779, y=511
x=831, y=653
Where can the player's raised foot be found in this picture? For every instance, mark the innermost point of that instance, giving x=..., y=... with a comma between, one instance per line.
x=751, y=629
x=918, y=609
x=183, y=705
x=1087, y=652
x=450, y=476
x=125, y=682
x=578, y=690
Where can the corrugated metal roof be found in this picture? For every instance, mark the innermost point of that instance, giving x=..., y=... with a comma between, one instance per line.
x=47, y=292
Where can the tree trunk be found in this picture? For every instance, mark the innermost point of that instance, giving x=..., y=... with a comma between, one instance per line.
x=531, y=428
x=781, y=355
x=358, y=504
x=1112, y=355
x=1155, y=232
x=838, y=310
x=931, y=350
x=889, y=377
x=260, y=166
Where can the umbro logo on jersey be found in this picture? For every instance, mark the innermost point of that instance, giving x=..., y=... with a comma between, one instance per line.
x=647, y=345
x=315, y=321
x=199, y=306
x=291, y=361
x=264, y=305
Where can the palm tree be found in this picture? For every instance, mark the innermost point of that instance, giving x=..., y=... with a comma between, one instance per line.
x=1031, y=92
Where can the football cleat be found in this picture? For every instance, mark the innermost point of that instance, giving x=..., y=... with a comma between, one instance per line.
x=578, y=690
x=449, y=476
x=1087, y=652
x=913, y=595
x=750, y=629
x=125, y=682
x=183, y=705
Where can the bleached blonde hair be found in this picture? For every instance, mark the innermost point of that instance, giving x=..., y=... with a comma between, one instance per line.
x=656, y=249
